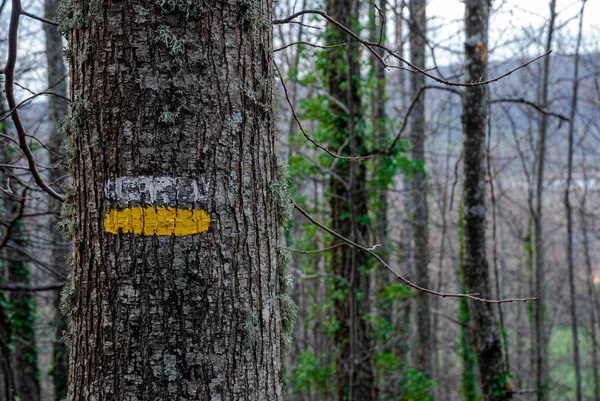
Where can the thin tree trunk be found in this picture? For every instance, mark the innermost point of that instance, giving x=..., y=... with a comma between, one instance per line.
x=424, y=355
x=541, y=336
x=7, y=380
x=591, y=294
x=177, y=290
x=57, y=109
x=466, y=350
x=403, y=322
x=354, y=368
x=19, y=307
x=484, y=329
x=569, y=215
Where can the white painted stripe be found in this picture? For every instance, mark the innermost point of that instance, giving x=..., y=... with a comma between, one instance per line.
x=155, y=190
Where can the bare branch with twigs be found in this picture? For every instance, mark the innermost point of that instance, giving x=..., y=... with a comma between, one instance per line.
x=409, y=283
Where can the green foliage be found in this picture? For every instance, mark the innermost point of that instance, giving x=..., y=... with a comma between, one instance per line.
x=395, y=292
x=20, y=314
x=499, y=387
x=468, y=384
x=562, y=374
x=312, y=372
x=415, y=386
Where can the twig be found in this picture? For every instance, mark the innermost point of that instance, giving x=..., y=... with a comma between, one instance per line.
x=399, y=276
x=308, y=44
x=13, y=223
x=8, y=114
x=456, y=175
x=26, y=287
x=415, y=69
x=315, y=251
x=9, y=70
x=318, y=145
x=41, y=19
x=409, y=110
x=532, y=104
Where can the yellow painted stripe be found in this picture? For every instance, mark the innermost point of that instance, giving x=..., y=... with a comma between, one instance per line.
x=151, y=220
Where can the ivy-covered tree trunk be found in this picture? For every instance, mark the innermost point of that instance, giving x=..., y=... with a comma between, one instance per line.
x=24, y=353
x=354, y=369
x=57, y=109
x=420, y=233
x=7, y=382
x=484, y=328
x=18, y=307
x=177, y=289
x=468, y=381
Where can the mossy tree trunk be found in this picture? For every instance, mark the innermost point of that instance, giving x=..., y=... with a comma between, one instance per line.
x=57, y=109
x=354, y=369
x=177, y=289
x=19, y=305
x=468, y=381
x=420, y=232
x=484, y=328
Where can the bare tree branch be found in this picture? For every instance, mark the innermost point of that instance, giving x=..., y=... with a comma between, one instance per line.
x=399, y=276
x=9, y=71
x=413, y=68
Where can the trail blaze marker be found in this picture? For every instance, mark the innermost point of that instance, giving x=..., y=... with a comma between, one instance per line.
x=142, y=205
x=152, y=220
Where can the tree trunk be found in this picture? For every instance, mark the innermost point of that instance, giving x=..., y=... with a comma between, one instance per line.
x=57, y=109
x=468, y=382
x=484, y=329
x=541, y=336
x=354, y=369
x=569, y=216
x=7, y=381
x=177, y=290
x=424, y=351
x=591, y=293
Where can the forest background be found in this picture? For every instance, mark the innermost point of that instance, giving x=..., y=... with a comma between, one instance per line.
x=379, y=154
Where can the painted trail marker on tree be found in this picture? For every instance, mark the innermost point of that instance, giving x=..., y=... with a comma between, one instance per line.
x=156, y=206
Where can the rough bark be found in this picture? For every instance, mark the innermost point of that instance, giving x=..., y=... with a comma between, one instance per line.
x=541, y=336
x=354, y=369
x=484, y=329
x=420, y=234
x=173, y=125
x=569, y=217
x=57, y=109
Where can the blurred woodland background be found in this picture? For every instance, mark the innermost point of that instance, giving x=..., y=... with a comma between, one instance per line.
x=394, y=157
